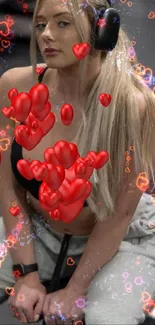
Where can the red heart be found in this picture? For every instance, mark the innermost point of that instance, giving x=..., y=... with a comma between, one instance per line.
x=72, y=191
x=64, y=189
x=149, y=306
x=47, y=124
x=151, y=15
x=41, y=115
x=4, y=28
x=87, y=191
x=70, y=172
x=39, y=70
x=48, y=199
x=10, y=291
x=8, y=111
x=65, y=153
x=82, y=170
x=12, y=93
x=55, y=176
x=68, y=213
x=66, y=114
x=100, y=158
x=145, y=297
x=50, y=157
x=34, y=126
x=39, y=95
x=40, y=172
x=24, y=169
x=29, y=121
x=70, y=261
x=26, y=137
x=14, y=211
x=57, y=209
x=105, y=99
x=81, y=50
x=34, y=139
x=77, y=189
x=5, y=43
x=34, y=163
x=21, y=133
x=22, y=106
x=51, y=200
x=55, y=214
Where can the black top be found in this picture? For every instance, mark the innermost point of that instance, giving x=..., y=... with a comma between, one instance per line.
x=33, y=185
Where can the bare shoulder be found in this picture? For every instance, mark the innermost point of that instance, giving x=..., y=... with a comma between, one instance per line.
x=22, y=78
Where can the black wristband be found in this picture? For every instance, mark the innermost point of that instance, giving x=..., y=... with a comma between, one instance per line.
x=22, y=269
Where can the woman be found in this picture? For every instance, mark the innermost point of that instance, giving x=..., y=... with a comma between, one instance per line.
x=112, y=238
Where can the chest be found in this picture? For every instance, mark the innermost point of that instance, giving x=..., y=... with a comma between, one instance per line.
x=57, y=133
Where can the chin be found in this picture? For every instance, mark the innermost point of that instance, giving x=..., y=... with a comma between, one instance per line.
x=56, y=62
x=57, y=65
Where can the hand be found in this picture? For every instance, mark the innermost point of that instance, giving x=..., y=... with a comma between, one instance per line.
x=28, y=298
x=64, y=306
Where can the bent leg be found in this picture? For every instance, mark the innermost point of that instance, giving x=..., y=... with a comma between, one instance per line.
x=121, y=289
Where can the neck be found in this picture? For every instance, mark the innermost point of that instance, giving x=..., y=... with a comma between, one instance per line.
x=68, y=81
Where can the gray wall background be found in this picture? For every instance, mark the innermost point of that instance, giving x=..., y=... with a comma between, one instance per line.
x=133, y=18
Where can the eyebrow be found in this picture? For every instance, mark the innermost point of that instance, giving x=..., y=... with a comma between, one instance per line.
x=56, y=15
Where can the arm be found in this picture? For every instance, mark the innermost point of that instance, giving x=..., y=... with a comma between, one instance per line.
x=8, y=192
x=106, y=236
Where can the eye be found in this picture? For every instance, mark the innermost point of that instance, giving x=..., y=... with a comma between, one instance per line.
x=40, y=26
x=64, y=22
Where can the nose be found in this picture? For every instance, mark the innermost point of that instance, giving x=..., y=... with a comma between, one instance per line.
x=48, y=33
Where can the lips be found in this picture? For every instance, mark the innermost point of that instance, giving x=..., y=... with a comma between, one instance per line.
x=50, y=50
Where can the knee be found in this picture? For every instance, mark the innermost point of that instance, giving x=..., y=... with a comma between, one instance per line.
x=100, y=315
x=112, y=311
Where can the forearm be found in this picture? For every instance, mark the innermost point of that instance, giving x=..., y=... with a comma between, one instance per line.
x=102, y=245
x=24, y=253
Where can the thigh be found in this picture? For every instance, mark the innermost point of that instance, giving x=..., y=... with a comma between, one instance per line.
x=120, y=291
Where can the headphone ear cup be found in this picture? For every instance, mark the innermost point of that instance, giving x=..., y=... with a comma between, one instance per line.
x=105, y=29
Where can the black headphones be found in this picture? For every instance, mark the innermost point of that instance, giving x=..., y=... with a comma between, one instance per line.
x=105, y=37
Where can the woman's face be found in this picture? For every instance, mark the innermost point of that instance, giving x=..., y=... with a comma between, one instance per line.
x=55, y=29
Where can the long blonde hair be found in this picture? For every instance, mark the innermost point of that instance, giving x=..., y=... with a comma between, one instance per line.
x=117, y=127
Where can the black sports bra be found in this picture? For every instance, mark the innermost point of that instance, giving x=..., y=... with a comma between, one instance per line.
x=33, y=185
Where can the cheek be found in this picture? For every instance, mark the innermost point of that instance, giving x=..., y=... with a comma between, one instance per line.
x=37, y=40
x=39, y=43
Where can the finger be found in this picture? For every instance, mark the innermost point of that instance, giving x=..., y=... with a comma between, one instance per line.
x=29, y=316
x=22, y=315
x=55, y=319
x=28, y=311
x=51, y=320
x=39, y=307
x=11, y=307
x=46, y=306
x=12, y=310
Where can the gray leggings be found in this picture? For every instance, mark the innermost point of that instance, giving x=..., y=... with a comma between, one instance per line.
x=120, y=291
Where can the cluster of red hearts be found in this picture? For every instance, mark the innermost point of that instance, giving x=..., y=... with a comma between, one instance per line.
x=64, y=174
x=34, y=110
